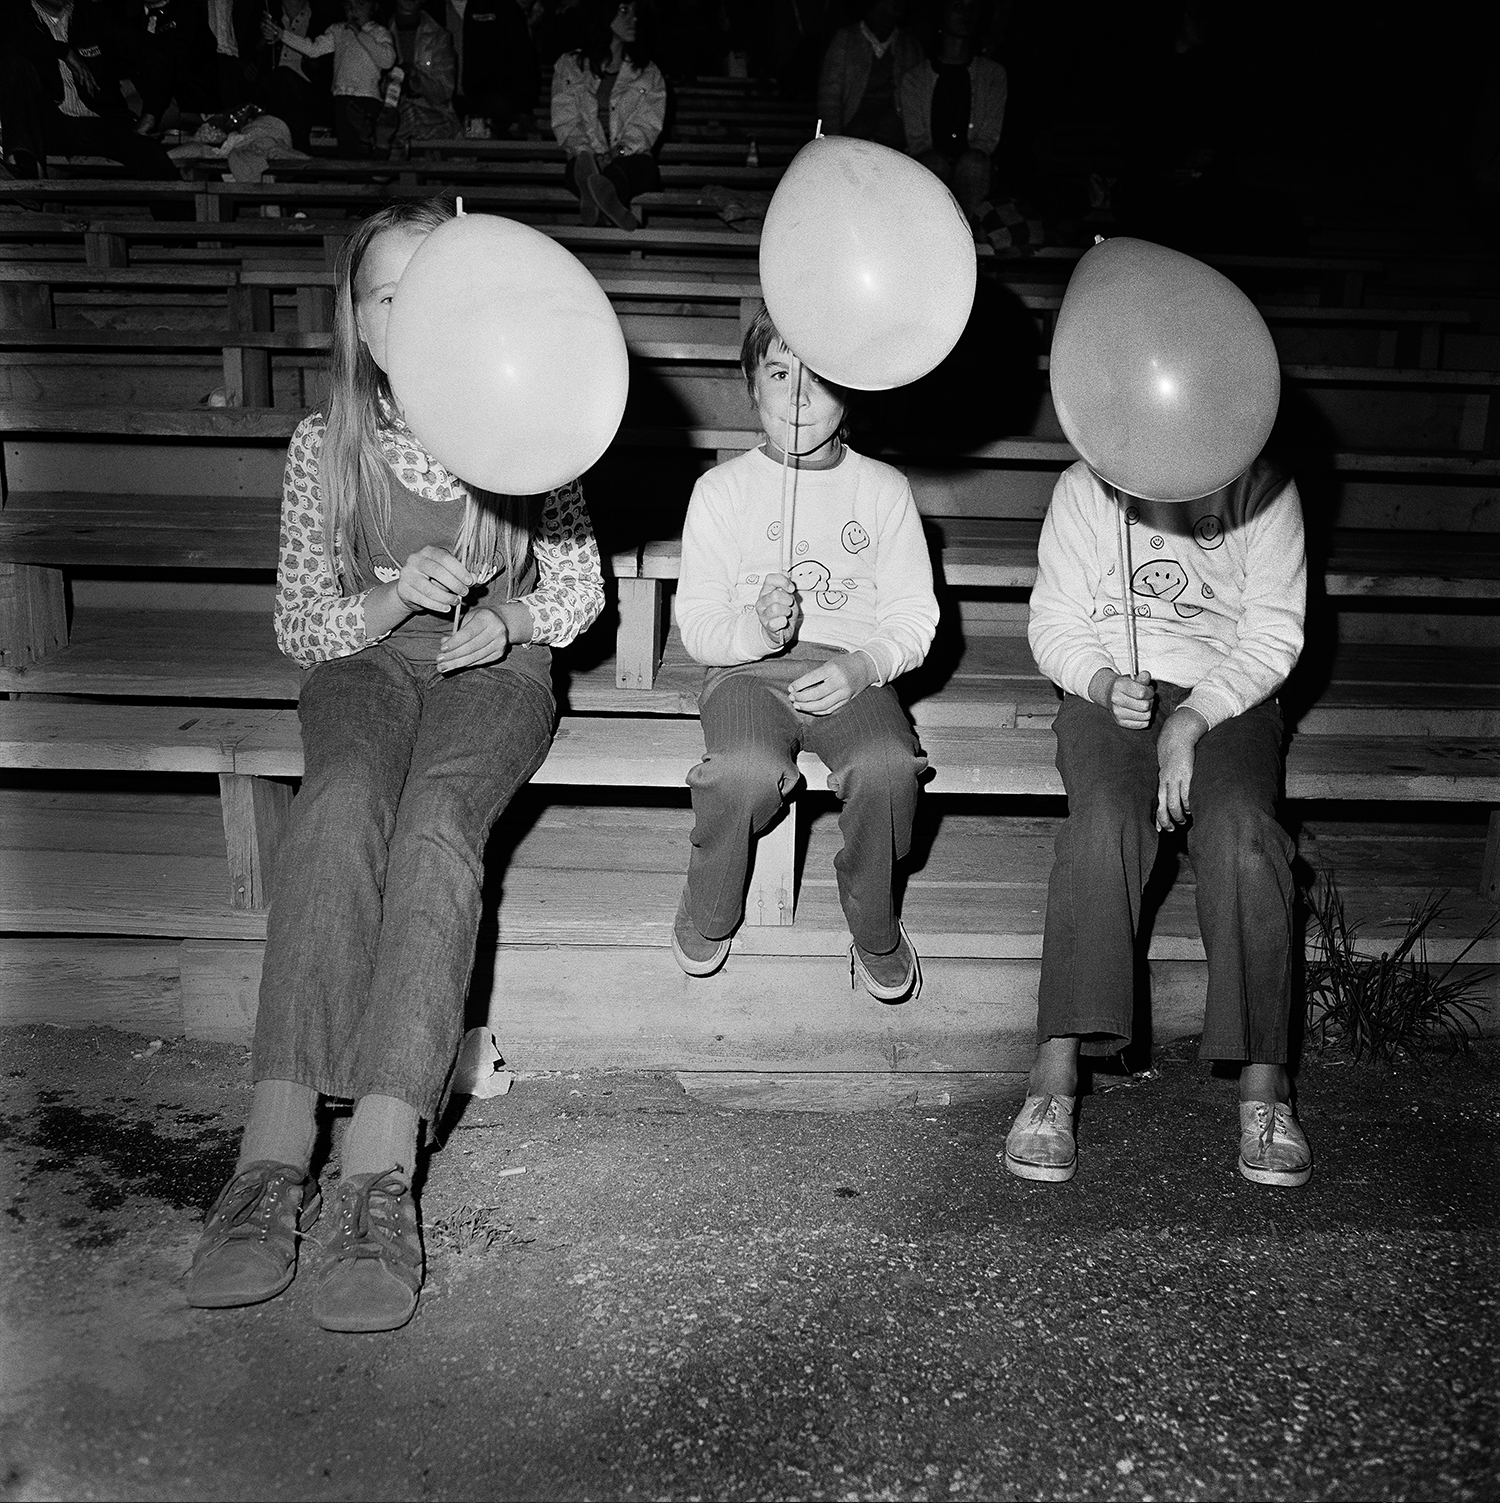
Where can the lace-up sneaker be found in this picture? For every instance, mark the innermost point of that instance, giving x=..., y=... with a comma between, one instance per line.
x=1040, y=1144
x=1273, y=1148
x=895, y=976
x=696, y=953
x=372, y=1259
x=248, y=1251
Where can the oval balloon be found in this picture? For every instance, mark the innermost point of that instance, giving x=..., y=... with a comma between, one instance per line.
x=1164, y=375
x=506, y=356
x=866, y=263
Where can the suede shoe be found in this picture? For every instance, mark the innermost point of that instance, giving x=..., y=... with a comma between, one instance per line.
x=372, y=1260
x=895, y=976
x=696, y=954
x=1273, y=1148
x=1040, y=1144
x=248, y=1251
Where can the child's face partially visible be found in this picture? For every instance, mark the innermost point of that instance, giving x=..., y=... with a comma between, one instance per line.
x=375, y=285
x=359, y=12
x=815, y=411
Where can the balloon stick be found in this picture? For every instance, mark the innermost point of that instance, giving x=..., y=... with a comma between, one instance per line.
x=1122, y=538
x=789, y=501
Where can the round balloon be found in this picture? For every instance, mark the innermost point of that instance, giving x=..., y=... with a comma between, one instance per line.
x=866, y=263
x=506, y=356
x=1164, y=375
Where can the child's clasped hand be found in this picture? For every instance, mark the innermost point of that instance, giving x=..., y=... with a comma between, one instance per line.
x=483, y=638
x=778, y=609
x=832, y=686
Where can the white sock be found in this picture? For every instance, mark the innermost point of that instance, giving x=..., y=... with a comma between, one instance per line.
x=382, y=1136
x=282, y=1123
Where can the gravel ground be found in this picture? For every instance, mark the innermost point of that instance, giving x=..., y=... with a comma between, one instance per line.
x=675, y=1301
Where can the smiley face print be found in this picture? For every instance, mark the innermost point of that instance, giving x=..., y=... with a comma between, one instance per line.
x=1208, y=532
x=854, y=538
x=1164, y=579
x=812, y=578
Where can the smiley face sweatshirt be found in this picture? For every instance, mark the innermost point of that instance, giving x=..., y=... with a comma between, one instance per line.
x=859, y=561
x=1218, y=588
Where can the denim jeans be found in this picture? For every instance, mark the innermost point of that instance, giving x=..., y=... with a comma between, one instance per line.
x=752, y=736
x=370, y=944
x=1105, y=850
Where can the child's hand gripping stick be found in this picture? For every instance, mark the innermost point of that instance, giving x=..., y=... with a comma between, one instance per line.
x=777, y=608
x=433, y=580
x=1129, y=700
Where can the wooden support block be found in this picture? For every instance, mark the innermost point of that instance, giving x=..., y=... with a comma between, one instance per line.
x=33, y=613
x=1489, y=877
x=208, y=208
x=1353, y=289
x=639, y=638
x=25, y=305
x=1386, y=355
x=220, y=988
x=101, y=249
x=1430, y=353
x=315, y=310
x=769, y=902
x=1475, y=423
x=255, y=814
x=247, y=377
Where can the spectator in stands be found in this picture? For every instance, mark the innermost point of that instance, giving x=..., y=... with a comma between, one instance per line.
x=238, y=48
x=416, y=735
x=429, y=68
x=1217, y=594
x=297, y=85
x=859, y=89
x=60, y=72
x=362, y=52
x=169, y=55
x=497, y=66
x=608, y=104
x=803, y=659
x=953, y=105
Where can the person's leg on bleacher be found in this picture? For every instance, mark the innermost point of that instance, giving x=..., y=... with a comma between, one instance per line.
x=751, y=737
x=1104, y=853
x=359, y=718
x=24, y=110
x=354, y=122
x=462, y=774
x=874, y=763
x=1242, y=864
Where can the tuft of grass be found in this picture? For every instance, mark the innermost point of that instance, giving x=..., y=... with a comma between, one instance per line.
x=1391, y=1006
x=467, y=1229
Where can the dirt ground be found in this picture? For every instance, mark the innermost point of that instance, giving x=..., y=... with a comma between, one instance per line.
x=677, y=1301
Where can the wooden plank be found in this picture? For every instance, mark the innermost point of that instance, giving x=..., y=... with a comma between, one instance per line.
x=1489, y=876
x=846, y=1091
x=218, y=277
x=162, y=339
x=771, y=893
x=33, y=614
x=128, y=738
x=80, y=982
x=256, y=812
x=638, y=641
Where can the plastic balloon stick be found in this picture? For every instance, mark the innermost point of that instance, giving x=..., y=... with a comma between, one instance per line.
x=789, y=501
x=1122, y=537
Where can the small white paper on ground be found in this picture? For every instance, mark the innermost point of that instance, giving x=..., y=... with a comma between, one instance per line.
x=478, y=1072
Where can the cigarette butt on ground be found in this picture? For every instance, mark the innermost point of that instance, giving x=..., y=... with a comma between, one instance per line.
x=503, y=1173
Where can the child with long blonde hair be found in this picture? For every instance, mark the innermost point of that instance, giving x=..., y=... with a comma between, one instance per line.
x=416, y=732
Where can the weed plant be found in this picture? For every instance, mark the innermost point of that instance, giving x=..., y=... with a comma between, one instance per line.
x=1397, y=1005
x=467, y=1229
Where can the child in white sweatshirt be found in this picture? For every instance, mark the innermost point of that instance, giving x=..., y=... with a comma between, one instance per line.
x=803, y=659
x=1217, y=589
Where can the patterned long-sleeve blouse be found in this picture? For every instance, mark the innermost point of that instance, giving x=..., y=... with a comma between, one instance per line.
x=317, y=621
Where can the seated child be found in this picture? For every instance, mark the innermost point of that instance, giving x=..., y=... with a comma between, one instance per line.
x=804, y=659
x=1218, y=588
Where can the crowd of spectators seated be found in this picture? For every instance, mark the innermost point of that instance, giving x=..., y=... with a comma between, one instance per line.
x=262, y=74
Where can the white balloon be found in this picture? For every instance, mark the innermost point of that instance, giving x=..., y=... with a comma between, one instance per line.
x=867, y=264
x=506, y=356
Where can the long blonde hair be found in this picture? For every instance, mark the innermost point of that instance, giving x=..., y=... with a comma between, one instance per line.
x=354, y=480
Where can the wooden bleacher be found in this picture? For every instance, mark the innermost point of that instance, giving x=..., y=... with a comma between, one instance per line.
x=137, y=526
